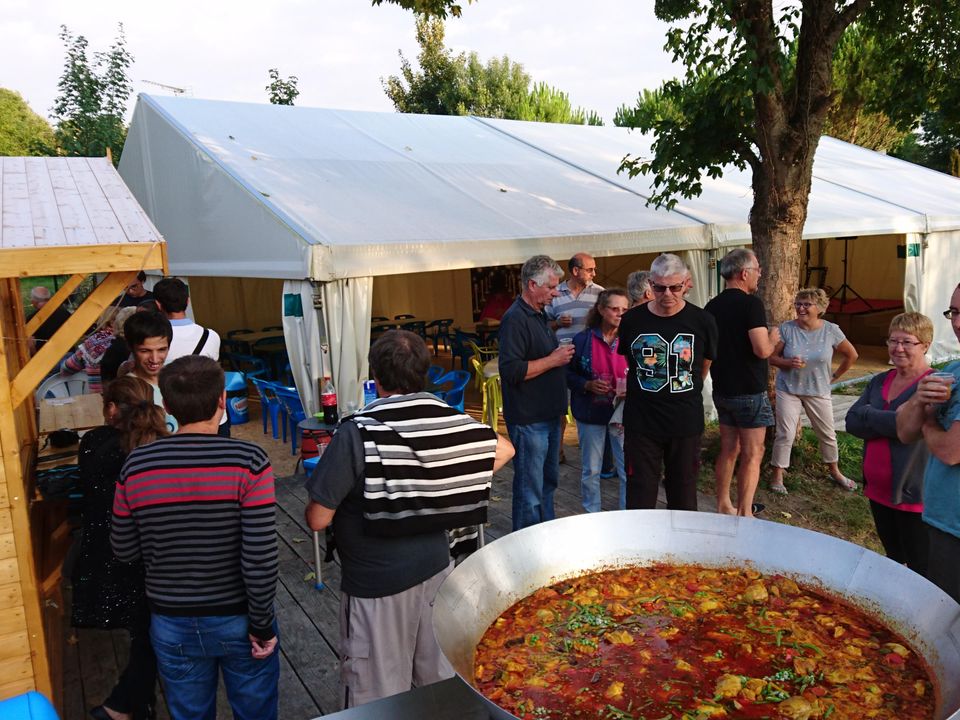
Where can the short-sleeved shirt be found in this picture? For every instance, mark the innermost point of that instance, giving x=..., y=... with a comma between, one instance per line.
x=816, y=346
x=373, y=566
x=665, y=380
x=576, y=305
x=525, y=336
x=941, y=482
x=737, y=370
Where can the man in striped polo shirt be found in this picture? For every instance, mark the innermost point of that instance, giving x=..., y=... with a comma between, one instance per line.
x=198, y=509
x=389, y=482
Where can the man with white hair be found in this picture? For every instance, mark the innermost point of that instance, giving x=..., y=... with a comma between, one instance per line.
x=39, y=297
x=669, y=344
x=533, y=377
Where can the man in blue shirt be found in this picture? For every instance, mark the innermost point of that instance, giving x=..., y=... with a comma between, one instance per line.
x=534, y=382
x=933, y=413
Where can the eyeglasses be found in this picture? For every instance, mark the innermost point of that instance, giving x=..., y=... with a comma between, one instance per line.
x=951, y=313
x=903, y=343
x=757, y=269
x=660, y=289
x=803, y=305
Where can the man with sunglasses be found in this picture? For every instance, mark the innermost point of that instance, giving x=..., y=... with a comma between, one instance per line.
x=669, y=344
x=740, y=379
x=933, y=413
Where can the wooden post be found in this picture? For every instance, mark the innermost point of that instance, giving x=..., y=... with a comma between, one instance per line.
x=40, y=364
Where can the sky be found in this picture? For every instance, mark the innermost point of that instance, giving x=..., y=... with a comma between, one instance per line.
x=601, y=53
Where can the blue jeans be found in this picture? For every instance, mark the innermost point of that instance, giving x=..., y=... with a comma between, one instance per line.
x=191, y=650
x=592, y=440
x=536, y=471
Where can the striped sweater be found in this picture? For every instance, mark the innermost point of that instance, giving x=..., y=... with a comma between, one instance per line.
x=199, y=511
x=427, y=465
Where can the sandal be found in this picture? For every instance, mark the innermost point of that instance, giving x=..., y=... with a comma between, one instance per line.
x=757, y=508
x=845, y=482
x=778, y=488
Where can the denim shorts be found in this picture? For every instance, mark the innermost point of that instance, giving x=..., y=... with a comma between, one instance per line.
x=744, y=411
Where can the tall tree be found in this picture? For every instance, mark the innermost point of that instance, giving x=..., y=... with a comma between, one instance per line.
x=280, y=91
x=89, y=111
x=936, y=144
x=757, y=91
x=22, y=131
x=448, y=84
x=428, y=8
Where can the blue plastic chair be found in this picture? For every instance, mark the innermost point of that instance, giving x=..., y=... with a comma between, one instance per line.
x=460, y=348
x=290, y=399
x=459, y=380
x=439, y=331
x=270, y=405
x=250, y=366
x=28, y=706
x=434, y=373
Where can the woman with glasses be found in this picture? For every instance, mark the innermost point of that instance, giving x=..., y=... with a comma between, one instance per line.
x=803, y=357
x=593, y=376
x=892, y=470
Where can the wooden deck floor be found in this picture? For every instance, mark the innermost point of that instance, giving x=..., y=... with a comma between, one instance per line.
x=307, y=617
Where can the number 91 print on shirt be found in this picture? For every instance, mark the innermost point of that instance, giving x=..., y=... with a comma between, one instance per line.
x=660, y=363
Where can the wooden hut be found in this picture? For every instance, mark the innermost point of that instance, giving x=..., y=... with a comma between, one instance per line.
x=60, y=216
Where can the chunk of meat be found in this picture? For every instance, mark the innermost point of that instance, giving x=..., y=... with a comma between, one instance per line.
x=795, y=708
x=755, y=592
x=728, y=686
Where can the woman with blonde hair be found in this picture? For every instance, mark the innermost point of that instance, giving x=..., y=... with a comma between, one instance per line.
x=893, y=470
x=804, y=358
x=108, y=594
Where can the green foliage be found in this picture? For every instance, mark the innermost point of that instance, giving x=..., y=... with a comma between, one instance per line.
x=280, y=91
x=428, y=8
x=448, y=84
x=22, y=131
x=934, y=144
x=93, y=97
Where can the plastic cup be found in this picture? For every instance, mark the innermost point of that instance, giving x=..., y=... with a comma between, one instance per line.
x=944, y=378
x=565, y=342
x=621, y=386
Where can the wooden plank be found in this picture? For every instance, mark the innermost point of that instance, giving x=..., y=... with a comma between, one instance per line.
x=6, y=522
x=13, y=669
x=16, y=687
x=15, y=218
x=72, y=705
x=10, y=595
x=47, y=228
x=86, y=259
x=77, y=228
x=296, y=699
x=4, y=495
x=24, y=565
x=9, y=571
x=106, y=226
x=56, y=300
x=12, y=621
x=8, y=547
x=133, y=220
x=33, y=372
x=77, y=412
x=15, y=645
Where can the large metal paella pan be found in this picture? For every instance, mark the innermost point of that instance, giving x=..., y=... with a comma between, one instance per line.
x=511, y=568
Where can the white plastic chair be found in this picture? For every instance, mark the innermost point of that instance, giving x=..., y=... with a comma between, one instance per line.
x=57, y=386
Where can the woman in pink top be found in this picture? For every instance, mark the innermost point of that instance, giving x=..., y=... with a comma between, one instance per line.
x=893, y=471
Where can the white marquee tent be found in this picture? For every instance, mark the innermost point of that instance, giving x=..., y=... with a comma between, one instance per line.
x=331, y=199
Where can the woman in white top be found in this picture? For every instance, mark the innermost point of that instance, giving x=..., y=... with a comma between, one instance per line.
x=803, y=357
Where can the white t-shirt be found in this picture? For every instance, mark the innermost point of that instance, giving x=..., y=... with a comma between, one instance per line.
x=186, y=335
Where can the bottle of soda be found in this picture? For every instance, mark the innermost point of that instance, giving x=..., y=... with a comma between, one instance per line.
x=328, y=401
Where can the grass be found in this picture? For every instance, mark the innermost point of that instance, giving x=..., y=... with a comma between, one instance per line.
x=52, y=282
x=814, y=502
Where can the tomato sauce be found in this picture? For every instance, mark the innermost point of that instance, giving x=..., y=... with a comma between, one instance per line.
x=686, y=642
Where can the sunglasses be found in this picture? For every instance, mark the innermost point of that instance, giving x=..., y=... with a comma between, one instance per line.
x=660, y=289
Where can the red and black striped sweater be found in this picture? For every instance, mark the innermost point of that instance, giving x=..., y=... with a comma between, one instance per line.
x=199, y=510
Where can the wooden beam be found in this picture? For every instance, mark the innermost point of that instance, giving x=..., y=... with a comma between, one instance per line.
x=83, y=259
x=11, y=473
x=57, y=346
x=56, y=300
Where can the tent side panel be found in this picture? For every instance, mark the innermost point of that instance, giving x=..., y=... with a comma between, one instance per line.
x=230, y=303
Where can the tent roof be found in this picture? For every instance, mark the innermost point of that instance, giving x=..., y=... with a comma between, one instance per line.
x=271, y=191
x=61, y=216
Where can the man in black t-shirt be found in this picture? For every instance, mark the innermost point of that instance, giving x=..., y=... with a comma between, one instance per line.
x=740, y=379
x=669, y=344
x=39, y=297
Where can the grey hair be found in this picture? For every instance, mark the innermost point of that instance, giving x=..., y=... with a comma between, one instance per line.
x=638, y=283
x=123, y=314
x=735, y=261
x=668, y=264
x=538, y=268
x=40, y=292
